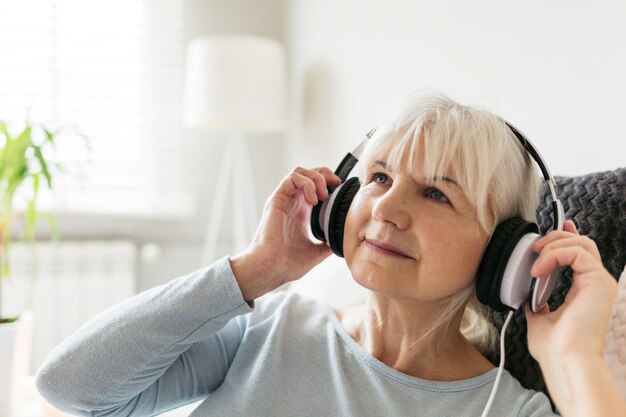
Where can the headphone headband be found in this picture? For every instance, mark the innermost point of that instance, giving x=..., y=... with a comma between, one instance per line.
x=558, y=214
x=532, y=151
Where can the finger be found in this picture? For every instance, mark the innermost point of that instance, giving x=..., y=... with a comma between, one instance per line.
x=321, y=188
x=331, y=178
x=575, y=257
x=295, y=183
x=551, y=237
x=570, y=226
x=574, y=240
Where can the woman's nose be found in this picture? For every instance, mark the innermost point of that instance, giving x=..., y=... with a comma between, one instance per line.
x=392, y=207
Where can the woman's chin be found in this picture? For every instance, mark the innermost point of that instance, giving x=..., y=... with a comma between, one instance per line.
x=382, y=282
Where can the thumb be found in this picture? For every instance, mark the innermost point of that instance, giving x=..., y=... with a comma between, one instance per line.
x=570, y=226
x=532, y=315
x=322, y=251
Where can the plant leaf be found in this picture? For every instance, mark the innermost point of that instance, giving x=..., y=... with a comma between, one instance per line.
x=14, y=161
x=49, y=136
x=44, y=165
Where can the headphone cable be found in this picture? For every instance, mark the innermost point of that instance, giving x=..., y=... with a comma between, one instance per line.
x=492, y=396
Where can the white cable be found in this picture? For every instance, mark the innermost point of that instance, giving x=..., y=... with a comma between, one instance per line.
x=500, y=368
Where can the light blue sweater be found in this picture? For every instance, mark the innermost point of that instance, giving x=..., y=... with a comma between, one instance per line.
x=196, y=338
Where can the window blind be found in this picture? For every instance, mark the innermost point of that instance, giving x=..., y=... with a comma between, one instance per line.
x=112, y=69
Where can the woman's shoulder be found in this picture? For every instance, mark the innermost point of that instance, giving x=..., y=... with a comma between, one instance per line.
x=288, y=306
x=531, y=403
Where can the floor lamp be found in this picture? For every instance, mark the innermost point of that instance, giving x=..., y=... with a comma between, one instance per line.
x=234, y=85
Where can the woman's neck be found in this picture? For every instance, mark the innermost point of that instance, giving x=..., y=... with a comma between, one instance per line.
x=399, y=333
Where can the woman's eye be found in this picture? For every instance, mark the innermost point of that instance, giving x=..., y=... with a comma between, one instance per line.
x=437, y=195
x=379, y=178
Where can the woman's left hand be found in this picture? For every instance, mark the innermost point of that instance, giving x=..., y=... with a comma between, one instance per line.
x=579, y=325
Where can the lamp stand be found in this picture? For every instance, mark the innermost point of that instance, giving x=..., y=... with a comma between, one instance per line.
x=234, y=177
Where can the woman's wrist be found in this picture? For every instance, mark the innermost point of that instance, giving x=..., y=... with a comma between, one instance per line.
x=581, y=384
x=252, y=276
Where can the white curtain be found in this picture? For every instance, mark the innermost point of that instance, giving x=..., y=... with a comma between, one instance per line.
x=113, y=69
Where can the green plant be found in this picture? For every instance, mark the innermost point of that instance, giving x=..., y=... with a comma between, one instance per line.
x=23, y=163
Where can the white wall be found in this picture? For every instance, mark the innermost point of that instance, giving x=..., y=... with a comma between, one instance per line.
x=181, y=244
x=555, y=69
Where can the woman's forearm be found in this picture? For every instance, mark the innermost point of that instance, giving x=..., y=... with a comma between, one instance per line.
x=583, y=385
x=135, y=356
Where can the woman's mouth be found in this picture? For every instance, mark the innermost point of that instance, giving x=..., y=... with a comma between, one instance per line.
x=384, y=249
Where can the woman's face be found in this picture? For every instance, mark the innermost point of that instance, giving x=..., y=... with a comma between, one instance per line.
x=411, y=235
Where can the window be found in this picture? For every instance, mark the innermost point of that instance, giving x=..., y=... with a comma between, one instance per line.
x=114, y=70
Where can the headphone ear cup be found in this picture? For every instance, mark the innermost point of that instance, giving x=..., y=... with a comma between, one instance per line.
x=339, y=212
x=496, y=258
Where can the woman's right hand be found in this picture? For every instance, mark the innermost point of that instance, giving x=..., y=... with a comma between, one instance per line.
x=281, y=250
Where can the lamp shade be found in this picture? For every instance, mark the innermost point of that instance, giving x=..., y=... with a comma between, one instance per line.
x=235, y=83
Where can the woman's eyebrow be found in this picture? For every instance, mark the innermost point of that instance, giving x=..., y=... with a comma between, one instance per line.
x=443, y=178
x=383, y=165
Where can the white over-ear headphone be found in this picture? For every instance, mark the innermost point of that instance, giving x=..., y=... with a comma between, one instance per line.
x=503, y=280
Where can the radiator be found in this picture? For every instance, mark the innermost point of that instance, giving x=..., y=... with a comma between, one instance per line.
x=65, y=284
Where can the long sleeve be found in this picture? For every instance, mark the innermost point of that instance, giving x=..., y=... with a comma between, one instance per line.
x=165, y=347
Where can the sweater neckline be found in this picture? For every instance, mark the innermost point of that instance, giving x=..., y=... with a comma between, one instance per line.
x=438, y=386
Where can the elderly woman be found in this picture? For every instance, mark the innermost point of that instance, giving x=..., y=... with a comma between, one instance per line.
x=436, y=179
